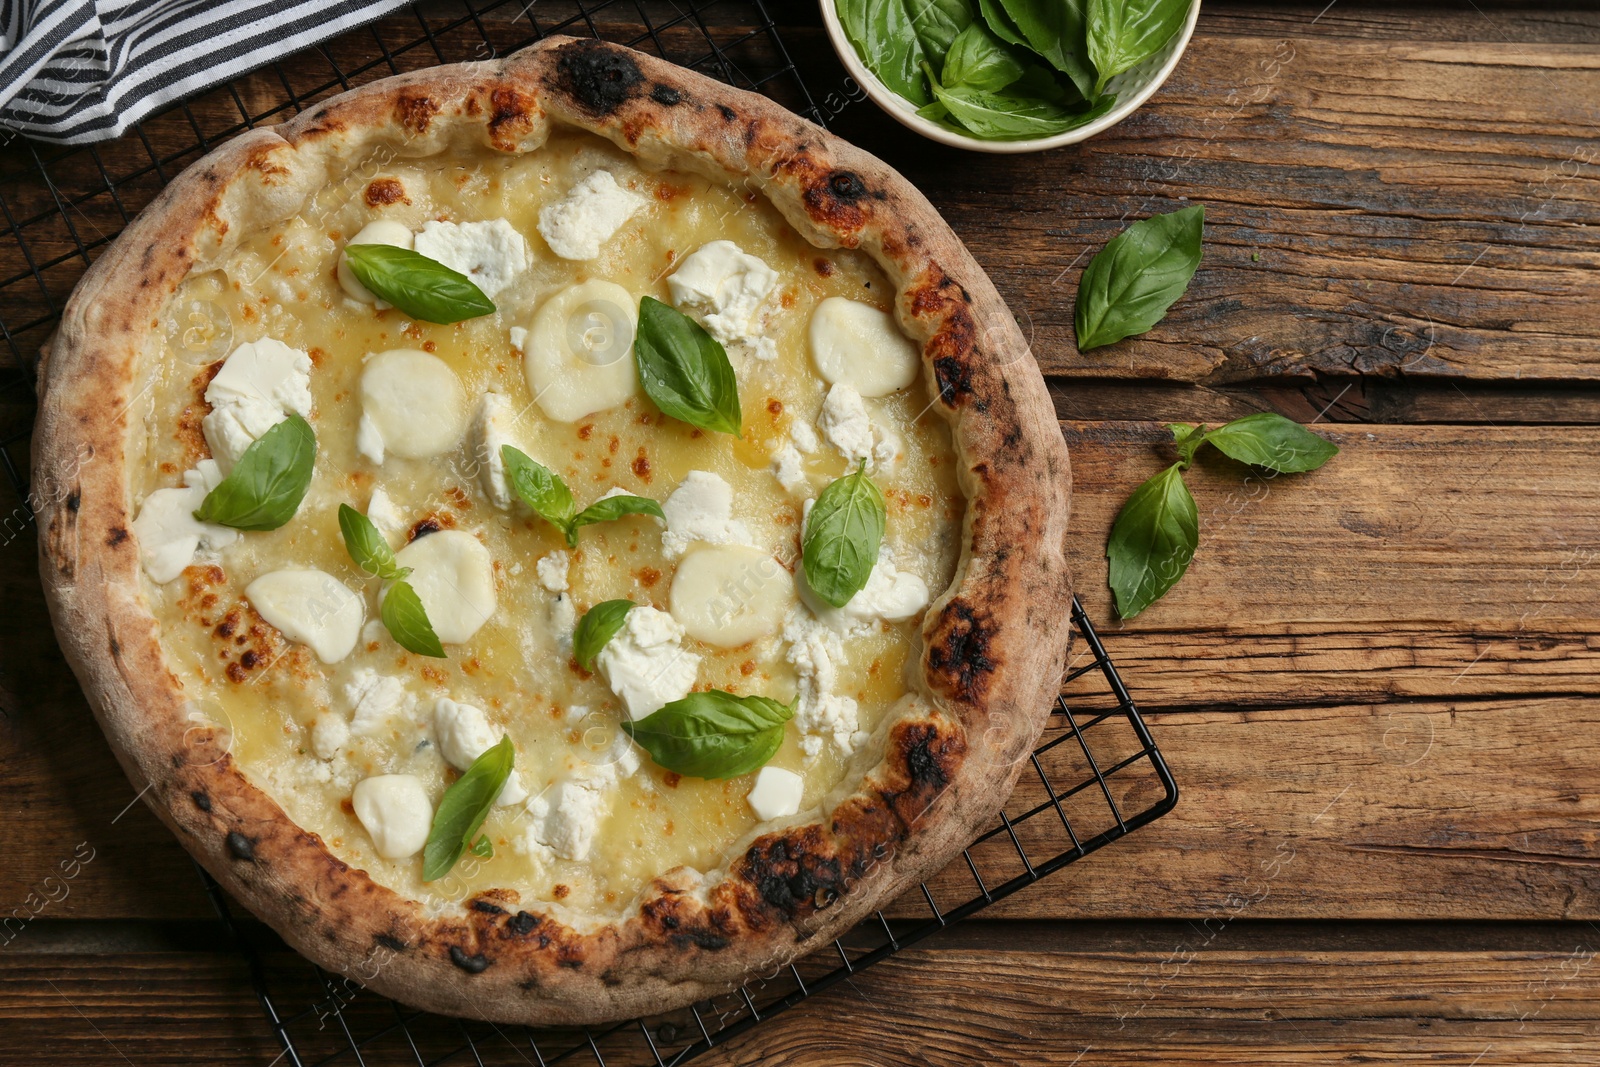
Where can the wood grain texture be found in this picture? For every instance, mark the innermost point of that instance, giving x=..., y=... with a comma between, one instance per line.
x=1194, y=1001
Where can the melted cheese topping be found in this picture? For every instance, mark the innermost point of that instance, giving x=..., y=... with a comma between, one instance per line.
x=375, y=710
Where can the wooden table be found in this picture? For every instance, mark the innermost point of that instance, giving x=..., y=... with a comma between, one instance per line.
x=1376, y=685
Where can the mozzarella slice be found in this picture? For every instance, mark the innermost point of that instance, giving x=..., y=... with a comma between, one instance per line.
x=579, y=354
x=453, y=575
x=588, y=216
x=491, y=253
x=777, y=793
x=168, y=534
x=381, y=232
x=310, y=607
x=730, y=595
x=412, y=405
x=464, y=734
x=859, y=345
x=395, y=811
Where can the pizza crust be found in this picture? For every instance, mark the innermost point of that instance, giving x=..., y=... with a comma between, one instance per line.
x=993, y=646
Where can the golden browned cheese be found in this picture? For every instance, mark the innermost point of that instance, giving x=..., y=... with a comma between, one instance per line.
x=281, y=284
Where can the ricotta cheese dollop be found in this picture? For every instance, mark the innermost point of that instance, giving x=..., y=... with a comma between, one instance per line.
x=463, y=733
x=727, y=287
x=588, y=216
x=395, y=811
x=700, y=509
x=646, y=664
x=412, y=404
x=491, y=431
x=259, y=384
x=491, y=253
x=312, y=608
x=453, y=575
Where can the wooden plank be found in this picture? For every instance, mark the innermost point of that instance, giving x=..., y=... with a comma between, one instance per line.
x=1190, y=1002
x=1377, y=208
x=1431, y=561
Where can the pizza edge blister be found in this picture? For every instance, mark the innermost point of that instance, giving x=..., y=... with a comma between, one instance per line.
x=993, y=645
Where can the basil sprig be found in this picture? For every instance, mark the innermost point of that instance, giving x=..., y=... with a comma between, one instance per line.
x=547, y=495
x=1124, y=33
x=401, y=609
x=1132, y=281
x=1158, y=529
x=407, y=621
x=712, y=734
x=1009, y=117
x=367, y=547
x=842, y=537
x=597, y=627
x=421, y=287
x=463, y=808
x=267, y=484
x=685, y=370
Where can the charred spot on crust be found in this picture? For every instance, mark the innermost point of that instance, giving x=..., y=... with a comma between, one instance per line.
x=74, y=499
x=390, y=942
x=241, y=846
x=794, y=871
x=930, y=756
x=201, y=801
x=954, y=378
x=666, y=96
x=416, y=112
x=846, y=185
x=487, y=908
x=961, y=650
x=471, y=964
x=728, y=114
x=423, y=528
x=602, y=77
x=509, y=111
x=522, y=923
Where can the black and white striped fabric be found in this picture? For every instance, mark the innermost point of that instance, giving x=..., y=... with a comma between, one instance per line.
x=77, y=71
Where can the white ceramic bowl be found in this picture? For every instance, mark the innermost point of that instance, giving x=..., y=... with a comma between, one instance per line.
x=1133, y=88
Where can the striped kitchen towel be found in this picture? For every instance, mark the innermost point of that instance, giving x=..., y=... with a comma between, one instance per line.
x=78, y=71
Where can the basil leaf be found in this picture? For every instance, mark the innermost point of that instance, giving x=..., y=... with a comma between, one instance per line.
x=977, y=59
x=483, y=848
x=939, y=22
x=264, y=489
x=1055, y=29
x=712, y=734
x=1152, y=541
x=541, y=489
x=1006, y=117
x=1132, y=281
x=407, y=621
x=883, y=35
x=842, y=536
x=421, y=287
x=685, y=370
x=367, y=546
x=463, y=808
x=1124, y=33
x=1267, y=439
x=613, y=508
x=597, y=627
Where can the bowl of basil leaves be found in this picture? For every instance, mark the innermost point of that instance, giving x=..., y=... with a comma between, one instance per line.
x=1010, y=75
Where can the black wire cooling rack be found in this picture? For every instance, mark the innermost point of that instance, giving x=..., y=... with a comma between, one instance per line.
x=1096, y=777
